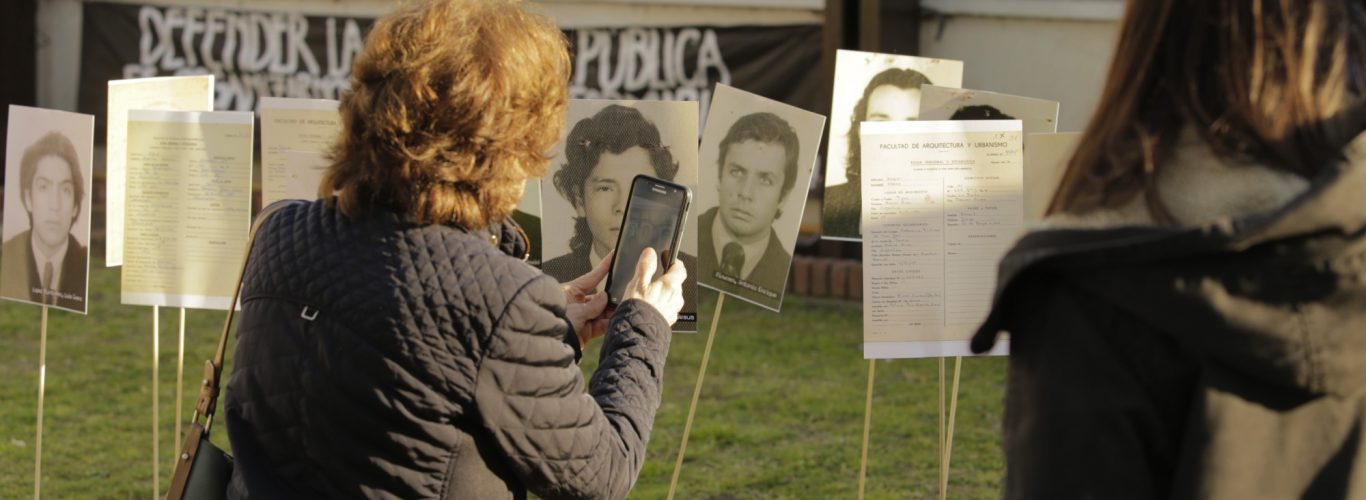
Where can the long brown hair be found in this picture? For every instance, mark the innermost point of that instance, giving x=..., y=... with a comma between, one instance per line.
x=901, y=78
x=1278, y=82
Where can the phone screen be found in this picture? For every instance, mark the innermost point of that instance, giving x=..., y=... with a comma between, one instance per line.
x=654, y=218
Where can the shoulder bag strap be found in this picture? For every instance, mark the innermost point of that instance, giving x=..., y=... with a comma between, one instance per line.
x=213, y=369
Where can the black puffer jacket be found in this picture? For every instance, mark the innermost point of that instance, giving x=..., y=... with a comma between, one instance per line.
x=1225, y=359
x=378, y=358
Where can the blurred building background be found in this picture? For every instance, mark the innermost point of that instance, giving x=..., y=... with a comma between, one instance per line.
x=60, y=52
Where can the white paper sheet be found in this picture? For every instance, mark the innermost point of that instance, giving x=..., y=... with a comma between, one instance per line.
x=171, y=93
x=943, y=202
x=189, y=207
x=296, y=135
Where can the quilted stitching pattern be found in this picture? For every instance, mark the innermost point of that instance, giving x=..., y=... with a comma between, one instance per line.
x=424, y=332
x=565, y=443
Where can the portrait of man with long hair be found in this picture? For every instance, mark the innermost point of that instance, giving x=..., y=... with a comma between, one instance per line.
x=584, y=192
x=870, y=87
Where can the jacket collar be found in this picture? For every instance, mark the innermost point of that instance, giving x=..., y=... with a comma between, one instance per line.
x=508, y=236
x=1233, y=205
x=1330, y=204
x=1243, y=189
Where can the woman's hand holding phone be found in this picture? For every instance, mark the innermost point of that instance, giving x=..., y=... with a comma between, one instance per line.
x=664, y=293
x=585, y=306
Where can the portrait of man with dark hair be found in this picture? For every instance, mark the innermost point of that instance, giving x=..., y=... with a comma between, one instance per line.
x=892, y=95
x=870, y=87
x=751, y=205
x=602, y=154
x=46, y=264
x=756, y=171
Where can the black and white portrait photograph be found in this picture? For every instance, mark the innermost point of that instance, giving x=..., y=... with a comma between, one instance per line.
x=605, y=145
x=1038, y=116
x=46, y=234
x=870, y=87
x=757, y=158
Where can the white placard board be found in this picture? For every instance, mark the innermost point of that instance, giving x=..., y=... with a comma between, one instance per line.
x=943, y=203
x=46, y=253
x=189, y=207
x=169, y=93
x=296, y=136
x=756, y=163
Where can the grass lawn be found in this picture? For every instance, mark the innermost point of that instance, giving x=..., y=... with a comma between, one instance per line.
x=781, y=414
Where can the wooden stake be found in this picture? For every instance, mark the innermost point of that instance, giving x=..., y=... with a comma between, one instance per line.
x=696, y=391
x=179, y=377
x=953, y=415
x=942, y=471
x=867, y=424
x=156, y=400
x=42, y=386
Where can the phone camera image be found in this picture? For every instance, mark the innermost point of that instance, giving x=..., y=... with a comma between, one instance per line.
x=654, y=217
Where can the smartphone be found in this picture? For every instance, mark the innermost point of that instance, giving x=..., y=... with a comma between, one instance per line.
x=654, y=216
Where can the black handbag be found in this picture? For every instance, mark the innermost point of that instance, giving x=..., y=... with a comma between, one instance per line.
x=202, y=469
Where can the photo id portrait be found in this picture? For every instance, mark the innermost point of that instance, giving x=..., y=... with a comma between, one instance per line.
x=757, y=158
x=46, y=236
x=870, y=87
x=604, y=145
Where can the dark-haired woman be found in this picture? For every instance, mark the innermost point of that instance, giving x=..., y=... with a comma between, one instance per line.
x=1193, y=323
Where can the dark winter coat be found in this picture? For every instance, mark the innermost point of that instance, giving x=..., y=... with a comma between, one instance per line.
x=382, y=359
x=27, y=283
x=1225, y=358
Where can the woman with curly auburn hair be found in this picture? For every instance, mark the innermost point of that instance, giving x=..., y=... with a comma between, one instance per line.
x=392, y=341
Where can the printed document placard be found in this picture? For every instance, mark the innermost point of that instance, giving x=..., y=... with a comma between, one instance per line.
x=172, y=93
x=189, y=207
x=943, y=203
x=295, y=137
x=46, y=235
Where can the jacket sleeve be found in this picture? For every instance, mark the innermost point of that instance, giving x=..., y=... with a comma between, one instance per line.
x=561, y=442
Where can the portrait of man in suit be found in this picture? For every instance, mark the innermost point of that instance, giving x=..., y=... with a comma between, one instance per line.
x=45, y=264
x=757, y=169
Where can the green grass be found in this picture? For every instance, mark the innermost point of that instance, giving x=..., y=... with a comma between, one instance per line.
x=780, y=416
